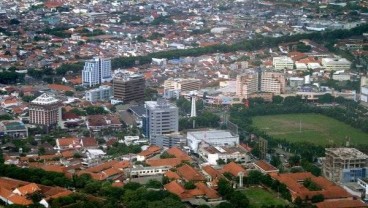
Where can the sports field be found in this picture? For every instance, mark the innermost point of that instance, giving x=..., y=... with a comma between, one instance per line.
x=314, y=128
x=259, y=197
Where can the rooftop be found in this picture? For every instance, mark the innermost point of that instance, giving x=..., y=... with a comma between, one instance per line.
x=45, y=99
x=347, y=153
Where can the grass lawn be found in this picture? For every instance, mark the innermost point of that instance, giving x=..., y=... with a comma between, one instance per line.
x=258, y=197
x=314, y=128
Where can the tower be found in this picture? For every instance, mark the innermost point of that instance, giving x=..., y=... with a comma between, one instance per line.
x=193, y=110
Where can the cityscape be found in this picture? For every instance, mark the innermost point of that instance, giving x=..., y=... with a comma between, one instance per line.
x=185, y=104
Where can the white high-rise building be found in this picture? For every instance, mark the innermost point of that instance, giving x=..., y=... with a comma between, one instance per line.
x=96, y=71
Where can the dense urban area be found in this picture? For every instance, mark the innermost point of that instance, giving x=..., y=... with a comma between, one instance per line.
x=185, y=104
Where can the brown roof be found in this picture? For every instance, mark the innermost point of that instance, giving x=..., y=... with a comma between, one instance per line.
x=293, y=182
x=67, y=141
x=172, y=162
x=210, y=193
x=188, y=173
x=89, y=142
x=341, y=204
x=28, y=189
x=178, y=153
x=233, y=168
x=150, y=151
x=175, y=188
x=59, y=87
x=211, y=171
x=265, y=166
x=172, y=175
x=14, y=198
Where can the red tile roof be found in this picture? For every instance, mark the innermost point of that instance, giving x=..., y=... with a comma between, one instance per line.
x=172, y=175
x=59, y=87
x=233, y=168
x=264, y=166
x=293, y=182
x=188, y=173
x=28, y=189
x=178, y=153
x=341, y=204
x=211, y=171
x=172, y=162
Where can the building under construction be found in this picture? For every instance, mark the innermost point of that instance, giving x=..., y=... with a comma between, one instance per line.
x=343, y=165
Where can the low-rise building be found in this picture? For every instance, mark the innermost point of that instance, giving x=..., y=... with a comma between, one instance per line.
x=283, y=62
x=102, y=93
x=213, y=154
x=13, y=128
x=212, y=137
x=336, y=64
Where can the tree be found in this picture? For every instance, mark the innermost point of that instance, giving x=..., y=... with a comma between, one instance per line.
x=254, y=177
x=317, y=198
x=69, y=93
x=225, y=205
x=154, y=184
x=294, y=160
x=189, y=185
x=277, y=99
x=326, y=98
x=14, y=22
x=224, y=188
x=275, y=161
x=239, y=200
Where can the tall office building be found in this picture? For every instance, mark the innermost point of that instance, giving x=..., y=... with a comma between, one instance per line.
x=247, y=84
x=161, y=118
x=273, y=82
x=96, y=71
x=128, y=88
x=45, y=110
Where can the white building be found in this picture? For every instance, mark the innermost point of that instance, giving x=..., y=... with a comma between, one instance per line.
x=364, y=93
x=283, y=62
x=212, y=137
x=161, y=118
x=214, y=153
x=102, y=93
x=139, y=171
x=96, y=71
x=336, y=64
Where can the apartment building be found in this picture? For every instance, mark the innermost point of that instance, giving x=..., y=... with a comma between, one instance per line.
x=274, y=82
x=184, y=85
x=282, y=62
x=246, y=84
x=129, y=88
x=96, y=71
x=161, y=118
x=336, y=64
x=102, y=93
x=343, y=165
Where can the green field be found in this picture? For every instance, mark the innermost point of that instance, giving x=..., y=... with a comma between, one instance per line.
x=314, y=128
x=258, y=197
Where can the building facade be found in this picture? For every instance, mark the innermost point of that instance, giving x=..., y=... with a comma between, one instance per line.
x=184, y=85
x=336, y=64
x=273, y=82
x=102, y=93
x=246, y=84
x=45, y=110
x=211, y=137
x=96, y=71
x=161, y=118
x=283, y=62
x=168, y=140
x=129, y=88
x=343, y=165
